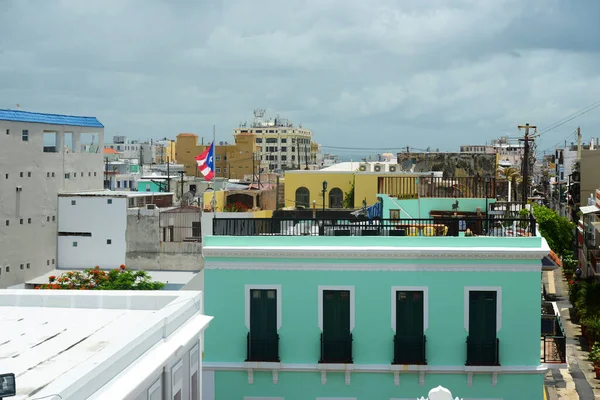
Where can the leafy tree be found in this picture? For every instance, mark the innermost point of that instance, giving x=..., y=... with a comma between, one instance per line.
x=557, y=230
x=97, y=279
x=349, y=196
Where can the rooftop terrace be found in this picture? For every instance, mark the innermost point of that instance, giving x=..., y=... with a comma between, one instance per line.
x=459, y=226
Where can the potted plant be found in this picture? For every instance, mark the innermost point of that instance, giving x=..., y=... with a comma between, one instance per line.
x=594, y=357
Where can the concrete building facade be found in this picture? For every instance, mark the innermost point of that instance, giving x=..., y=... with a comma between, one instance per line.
x=232, y=161
x=141, y=230
x=40, y=156
x=281, y=145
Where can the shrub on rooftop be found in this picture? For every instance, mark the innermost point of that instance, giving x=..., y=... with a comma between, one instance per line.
x=96, y=279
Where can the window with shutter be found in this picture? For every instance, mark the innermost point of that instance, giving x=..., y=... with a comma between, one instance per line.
x=263, y=340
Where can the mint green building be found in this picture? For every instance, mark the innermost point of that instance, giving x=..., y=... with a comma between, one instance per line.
x=373, y=317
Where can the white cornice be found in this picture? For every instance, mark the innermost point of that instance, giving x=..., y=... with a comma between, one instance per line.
x=339, y=252
x=406, y=267
x=380, y=368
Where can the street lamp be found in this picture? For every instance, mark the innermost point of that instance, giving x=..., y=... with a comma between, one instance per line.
x=324, y=191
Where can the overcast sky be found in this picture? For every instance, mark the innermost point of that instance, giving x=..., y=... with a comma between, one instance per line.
x=366, y=74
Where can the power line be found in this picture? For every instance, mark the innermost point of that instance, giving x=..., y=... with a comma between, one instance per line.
x=572, y=134
x=571, y=117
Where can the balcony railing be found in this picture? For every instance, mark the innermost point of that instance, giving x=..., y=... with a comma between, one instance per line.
x=266, y=350
x=554, y=349
x=439, y=226
x=483, y=353
x=409, y=350
x=411, y=187
x=337, y=351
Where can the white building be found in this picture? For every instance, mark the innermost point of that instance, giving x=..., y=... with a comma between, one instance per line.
x=40, y=156
x=139, y=229
x=76, y=345
x=145, y=153
x=282, y=145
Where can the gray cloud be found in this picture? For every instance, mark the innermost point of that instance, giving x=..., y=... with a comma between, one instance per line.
x=381, y=73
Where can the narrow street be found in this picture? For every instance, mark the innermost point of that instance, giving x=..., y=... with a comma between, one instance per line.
x=579, y=381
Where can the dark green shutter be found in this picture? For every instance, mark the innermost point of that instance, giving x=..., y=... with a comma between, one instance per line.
x=409, y=314
x=263, y=313
x=482, y=339
x=482, y=316
x=336, y=340
x=409, y=342
x=263, y=341
x=336, y=314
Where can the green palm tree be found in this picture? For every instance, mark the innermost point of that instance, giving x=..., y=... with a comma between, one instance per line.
x=513, y=176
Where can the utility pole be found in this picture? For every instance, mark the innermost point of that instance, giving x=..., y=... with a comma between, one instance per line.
x=168, y=177
x=578, y=143
x=525, y=166
x=306, y=156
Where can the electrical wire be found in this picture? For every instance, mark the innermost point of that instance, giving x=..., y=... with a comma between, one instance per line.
x=571, y=117
x=573, y=134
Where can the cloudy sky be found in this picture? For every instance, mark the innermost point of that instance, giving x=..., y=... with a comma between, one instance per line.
x=376, y=74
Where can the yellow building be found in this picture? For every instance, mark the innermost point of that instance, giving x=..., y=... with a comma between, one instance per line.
x=302, y=188
x=165, y=151
x=232, y=161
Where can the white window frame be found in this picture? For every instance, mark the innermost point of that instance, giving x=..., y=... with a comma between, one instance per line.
x=176, y=386
x=498, y=290
x=247, y=290
x=425, y=290
x=155, y=385
x=195, y=369
x=320, y=303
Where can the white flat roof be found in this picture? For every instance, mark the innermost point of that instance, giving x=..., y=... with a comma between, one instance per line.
x=113, y=193
x=77, y=344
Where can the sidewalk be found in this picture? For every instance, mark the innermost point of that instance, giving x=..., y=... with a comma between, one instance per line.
x=579, y=381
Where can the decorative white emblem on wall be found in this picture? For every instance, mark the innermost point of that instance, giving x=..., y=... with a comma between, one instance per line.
x=439, y=393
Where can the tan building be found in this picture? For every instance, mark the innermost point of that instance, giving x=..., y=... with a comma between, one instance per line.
x=590, y=178
x=281, y=145
x=232, y=161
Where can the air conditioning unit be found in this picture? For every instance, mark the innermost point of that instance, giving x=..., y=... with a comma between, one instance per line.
x=364, y=167
x=379, y=168
x=19, y=188
x=150, y=206
x=393, y=168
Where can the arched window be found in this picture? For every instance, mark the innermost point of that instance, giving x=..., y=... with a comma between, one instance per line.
x=336, y=198
x=302, y=197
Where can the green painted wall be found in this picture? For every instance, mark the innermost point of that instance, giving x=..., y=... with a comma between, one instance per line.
x=299, y=334
x=307, y=386
x=142, y=187
x=420, y=208
x=373, y=241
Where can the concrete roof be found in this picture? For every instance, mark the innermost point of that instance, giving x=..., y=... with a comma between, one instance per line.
x=76, y=344
x=113, y=193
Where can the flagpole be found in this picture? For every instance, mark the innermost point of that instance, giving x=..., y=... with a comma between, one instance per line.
x=214, y=198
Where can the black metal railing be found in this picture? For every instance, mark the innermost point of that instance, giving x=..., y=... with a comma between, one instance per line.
x=410, y=350
x=259, y=349
x=439, y=226
x=554, y=349
x=483, y=353
x=336, y=350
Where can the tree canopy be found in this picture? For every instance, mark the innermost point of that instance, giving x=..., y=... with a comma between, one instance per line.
x=96, y=279
x=557, y=230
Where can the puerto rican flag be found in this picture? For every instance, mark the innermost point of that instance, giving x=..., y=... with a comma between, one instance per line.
x=206, y=162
